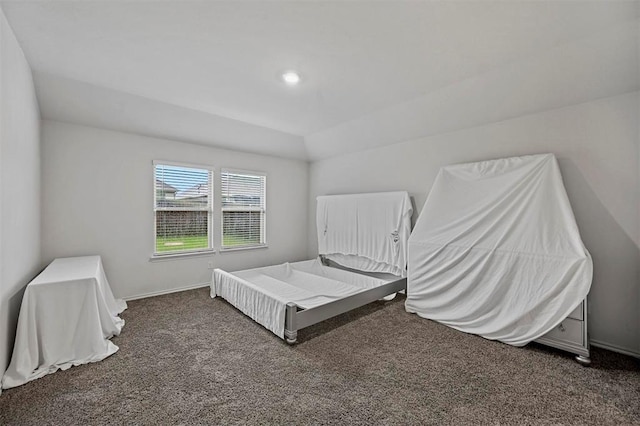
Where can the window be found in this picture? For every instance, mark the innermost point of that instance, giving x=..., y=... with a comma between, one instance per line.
x=183, y=208
x=243, y=209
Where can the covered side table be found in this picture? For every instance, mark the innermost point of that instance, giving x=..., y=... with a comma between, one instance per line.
x=67, y=317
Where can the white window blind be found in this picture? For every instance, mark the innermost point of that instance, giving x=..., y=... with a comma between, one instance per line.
x=243, y=209
x=183, y=207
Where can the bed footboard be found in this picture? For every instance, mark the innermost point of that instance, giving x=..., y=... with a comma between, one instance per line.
x=296, y=319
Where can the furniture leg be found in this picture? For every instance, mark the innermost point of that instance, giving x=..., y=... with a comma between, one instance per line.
x=290, y=329
x=583, y=360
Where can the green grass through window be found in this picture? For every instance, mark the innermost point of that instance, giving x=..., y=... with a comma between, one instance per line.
x=231, y=240
x=199, y=242
x=169, y=244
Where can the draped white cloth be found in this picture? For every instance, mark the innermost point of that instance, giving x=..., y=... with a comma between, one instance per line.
x=263, y=293
x=496, y=250
x=67, y=316
x=367, y=232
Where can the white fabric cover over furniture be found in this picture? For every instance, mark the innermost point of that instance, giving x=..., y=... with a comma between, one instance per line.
x=496, y=250
x=263, y=293
x=366, y=232
x=68, y=313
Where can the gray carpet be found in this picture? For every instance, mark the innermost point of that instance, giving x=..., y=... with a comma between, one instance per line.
x=187, y=359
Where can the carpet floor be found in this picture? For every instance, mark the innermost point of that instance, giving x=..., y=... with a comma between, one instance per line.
x=187, y=359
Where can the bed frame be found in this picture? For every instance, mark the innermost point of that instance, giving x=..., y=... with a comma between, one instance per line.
x=297, y=318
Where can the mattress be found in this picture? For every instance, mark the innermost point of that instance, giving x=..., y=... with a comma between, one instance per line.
x=263, y=293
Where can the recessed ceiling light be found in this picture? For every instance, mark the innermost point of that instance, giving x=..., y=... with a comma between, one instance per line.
x=291, y=78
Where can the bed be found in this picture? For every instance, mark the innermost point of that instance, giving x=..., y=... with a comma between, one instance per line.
x=362, y=245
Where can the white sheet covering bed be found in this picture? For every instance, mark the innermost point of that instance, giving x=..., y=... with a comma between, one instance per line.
x=366, y=232
x=263, y=293
x=497, y=252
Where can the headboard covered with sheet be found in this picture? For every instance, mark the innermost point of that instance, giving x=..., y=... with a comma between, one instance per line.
x=367, y=232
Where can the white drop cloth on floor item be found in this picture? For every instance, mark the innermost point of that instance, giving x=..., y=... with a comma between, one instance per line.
x=496, y=250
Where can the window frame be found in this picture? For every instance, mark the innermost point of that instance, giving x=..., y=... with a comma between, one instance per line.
x=210, y=212
x=263, y=216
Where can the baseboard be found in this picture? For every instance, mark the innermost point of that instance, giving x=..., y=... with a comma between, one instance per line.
x=614, y=348
x=161, y=292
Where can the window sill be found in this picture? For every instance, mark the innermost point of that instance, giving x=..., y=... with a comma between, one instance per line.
x=230, y=249
x=177, y=256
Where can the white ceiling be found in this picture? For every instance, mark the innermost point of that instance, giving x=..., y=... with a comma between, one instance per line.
x=224, y=59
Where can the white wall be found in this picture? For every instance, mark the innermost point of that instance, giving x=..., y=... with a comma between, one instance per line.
x=19, y=185
x=597, y=145
x=98, y=199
